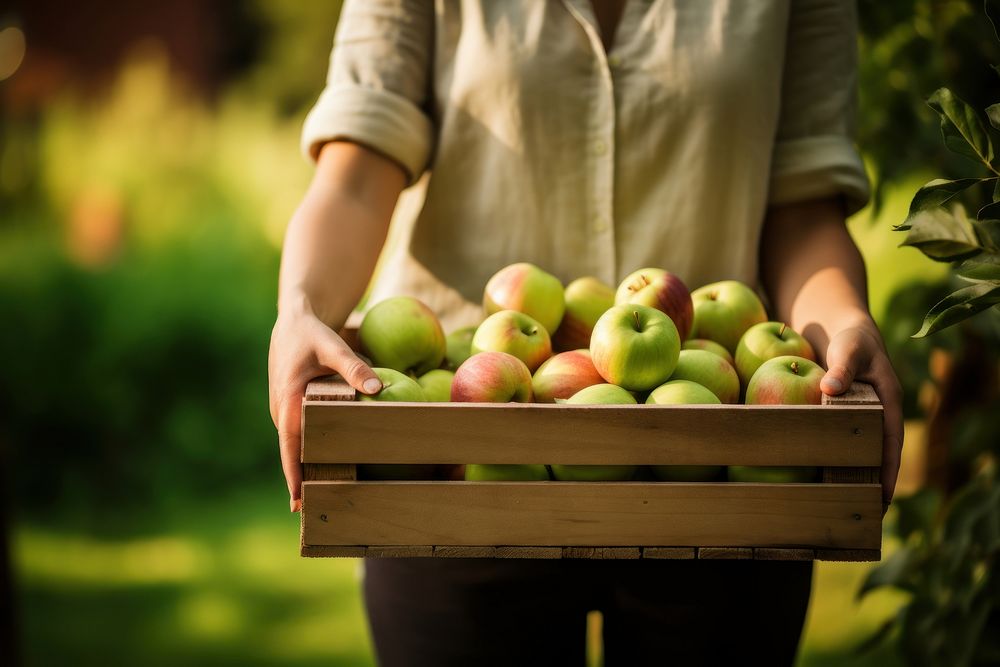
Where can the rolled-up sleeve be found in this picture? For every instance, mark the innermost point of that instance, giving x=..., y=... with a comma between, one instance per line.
x=378, y=83
x=814, y=152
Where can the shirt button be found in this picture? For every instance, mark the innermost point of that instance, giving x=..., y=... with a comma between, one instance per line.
x=600, y=148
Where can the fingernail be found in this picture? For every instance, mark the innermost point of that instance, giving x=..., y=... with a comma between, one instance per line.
x=372, y=385
x=834, y=384
x=294, y=505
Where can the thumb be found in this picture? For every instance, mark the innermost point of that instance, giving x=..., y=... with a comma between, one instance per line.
x=845, y=355
x=335, y=354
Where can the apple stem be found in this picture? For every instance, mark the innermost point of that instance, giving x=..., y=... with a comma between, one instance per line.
x=635, y=314
x=795, y=367
x=781, y=331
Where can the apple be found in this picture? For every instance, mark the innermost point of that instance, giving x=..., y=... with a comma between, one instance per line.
x=768, y=340
x=724, y=310
x=684, y=392
x=492, y=377
x=661, y=290
x=563, y=375
x=436, y=385
x=635, y=346
x=586, y=300
x=514, y=333
x=527, y=289
x=458, y=347
x=598, y=394
x=479, y=472
x=396, y=387
x=403, y=334
x=772, y=474
x=708, y=346
x=786, y=380
x=710, y=371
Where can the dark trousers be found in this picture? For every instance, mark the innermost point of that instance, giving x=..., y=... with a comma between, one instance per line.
x=444, y=612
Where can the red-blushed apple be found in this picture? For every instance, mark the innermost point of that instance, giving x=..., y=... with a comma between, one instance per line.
x=711, y=371
x=785, y=380
x=512, y=472
x=598, y=394
x=514, y=333
x=772, y=474
x=662, y=290
x=403, y=334
x=436, y=385
x=527, y=289
x=635, y=346
x=684, y=392
x=724, y=310
x=768, y=340
x=492, y=377
x=396, y=387
x=458, y=347
x=586, y=300
x=708, y=346
x=564, y=374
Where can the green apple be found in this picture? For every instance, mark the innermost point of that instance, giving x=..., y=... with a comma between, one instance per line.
x=564, y=374
x=711, y=371
x=527, y=289
x=724, y=310
x=768, y=340
x=396, y=387
x=480, y=472
x=598, y=394
x=492, y=377
x=458, y=347
x=662, y=290
x=436, y=385
x=586, y=300
x=708, y=346
x=684, y=392
x=635, y=347
x=772, y=474
x=785, y=380
x=403, y=334
x=514, y=333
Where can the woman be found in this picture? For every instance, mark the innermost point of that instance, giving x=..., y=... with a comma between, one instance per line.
x=591, y=138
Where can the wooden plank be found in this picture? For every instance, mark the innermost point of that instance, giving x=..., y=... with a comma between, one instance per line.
x=329, y=388
x=602, y=553
x=399, y=552
x=669, y=553
x=851, y=475
x=327, y=551
x=725, y=553
x=449, y=433
x=328, y=471
x=588, y=514
x=465, y=552
x=858, y=393
x=853, y=555
x=529, y=552
x=769, y=553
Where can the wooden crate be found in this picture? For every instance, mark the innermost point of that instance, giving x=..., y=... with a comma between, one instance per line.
x=839, y=518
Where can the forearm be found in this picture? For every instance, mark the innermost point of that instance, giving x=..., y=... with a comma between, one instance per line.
x=334, y=238
x=813, y=272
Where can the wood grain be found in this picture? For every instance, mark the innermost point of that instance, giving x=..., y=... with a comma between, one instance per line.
x=767, y=553
x=851, y=475
x=576, y=514
x=329, y=388
x=399, y=552
x=465, y=552
x=853, y=555
x=449, y=433
x=858, y=393
x=669, y=553
x=529, y=552
x=602, y=553
x=725, y=553
x=327, y=551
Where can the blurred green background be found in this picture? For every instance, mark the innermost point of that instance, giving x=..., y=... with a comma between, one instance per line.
x=148, y=165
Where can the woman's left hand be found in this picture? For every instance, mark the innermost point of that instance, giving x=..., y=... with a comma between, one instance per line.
x=857, y=353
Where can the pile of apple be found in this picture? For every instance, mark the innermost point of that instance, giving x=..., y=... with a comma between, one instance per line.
x=650, y=341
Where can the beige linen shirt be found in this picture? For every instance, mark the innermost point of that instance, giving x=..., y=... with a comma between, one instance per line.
x=525, y=141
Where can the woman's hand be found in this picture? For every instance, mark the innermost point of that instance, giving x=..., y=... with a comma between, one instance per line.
x=302, y=349
x=856, y=353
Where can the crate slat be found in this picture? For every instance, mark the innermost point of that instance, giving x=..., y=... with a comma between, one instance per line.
x=669, y=553
x=725, y=553
x=621, y=514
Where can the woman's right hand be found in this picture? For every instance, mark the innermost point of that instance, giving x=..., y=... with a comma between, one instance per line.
x=302, y=349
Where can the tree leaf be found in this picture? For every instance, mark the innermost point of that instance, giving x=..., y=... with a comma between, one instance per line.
x=985, y=266
x=990, y=211
x=988, y=232
x=891, y=572
x=877, y=638
x=961, y=128
x=960, y=305
x=916, y=512
x=992, y=8
x=934, y=194
x=942, y=235
x=993, y=113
